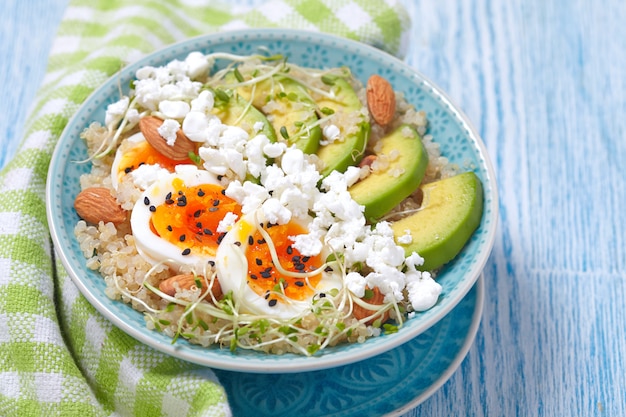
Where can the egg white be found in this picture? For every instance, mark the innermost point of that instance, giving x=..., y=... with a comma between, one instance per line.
x=232, y=272
x=152, y=247
x=115, y=168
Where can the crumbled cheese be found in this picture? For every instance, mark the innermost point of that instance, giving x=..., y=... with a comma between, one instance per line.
x=258, y=126
x=204, y=102
x=174, y=109
x=145, y=175
x=423, y=290
x=227, y=222
x=115, y=111
x=275, y=212
x=356, y=283
x=330, y=133
x=168, y=131
x=406, y=238
x=197, y=65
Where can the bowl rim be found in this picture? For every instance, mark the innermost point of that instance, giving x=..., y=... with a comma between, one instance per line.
x=295, y=364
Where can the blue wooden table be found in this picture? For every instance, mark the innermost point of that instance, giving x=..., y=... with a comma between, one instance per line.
x=544, y=82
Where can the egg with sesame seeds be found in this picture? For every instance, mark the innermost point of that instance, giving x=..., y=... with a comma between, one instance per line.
x=134, y=152
x=177, y=219
x=267, y=275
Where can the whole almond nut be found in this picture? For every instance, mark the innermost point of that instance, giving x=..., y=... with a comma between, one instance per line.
x=97, y=204
x=186, y=282
x=179, y=151
x=360, y=312
x=381, y=99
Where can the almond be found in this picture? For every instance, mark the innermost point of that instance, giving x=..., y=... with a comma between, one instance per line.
x=96, y=204
x=381, y=99
x=360, y=312
x=186, y=282
x=149, y=126
x=367, y=161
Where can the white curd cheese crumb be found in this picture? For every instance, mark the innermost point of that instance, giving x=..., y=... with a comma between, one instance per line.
x=275, y=212
x=331, y=134
x=145, y=175
x=115, y=111
x=423, y=290
x=197, y=64
x=204, y=102
x=168, y=131
x=174, y=109
x=227, y=222
x=356, y=283
x=406, y=238
x=257, y=127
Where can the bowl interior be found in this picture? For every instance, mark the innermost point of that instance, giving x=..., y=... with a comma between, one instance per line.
x=447, y=124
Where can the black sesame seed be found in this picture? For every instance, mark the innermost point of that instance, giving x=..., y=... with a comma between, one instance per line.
x=181, y=201
x=182, y=238
x=328, y=269
x=223, y=192
x=220, y=238
x=266, y=274
x=170, y=201
x=212, y=263
x=186, y=252
x=216, y=203
x=169, y=228
x=259, y=261
x=197, y=213
x=201, y=193
x=306, y=259
x=142, y=163
x=219, y=177
x=208, y=232
x=253, y=276
x=295, y=258
x=289, y=250
x=260, y=241
x=199, y=225
x=299, y=284
x=168, y=196
x=322, y=295
x=237, y=243
x=250, y=240
x=152, y=209
x=146, y=201
x=299, y=267
x=267, y=295
x=272, y=302
x=128, y=169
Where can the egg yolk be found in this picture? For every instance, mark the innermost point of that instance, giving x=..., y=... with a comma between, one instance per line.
x=262, y=274
x=189, y=217
x=143, y=153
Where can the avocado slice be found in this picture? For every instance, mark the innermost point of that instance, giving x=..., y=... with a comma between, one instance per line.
x=289, y=108
x=382, y=191
x=339, y=155
x=234, y=110
x=451, y=211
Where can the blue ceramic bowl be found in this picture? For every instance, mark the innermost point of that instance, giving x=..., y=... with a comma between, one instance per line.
x=448, y=125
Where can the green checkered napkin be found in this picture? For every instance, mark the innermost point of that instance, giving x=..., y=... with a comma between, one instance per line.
x=58, y=356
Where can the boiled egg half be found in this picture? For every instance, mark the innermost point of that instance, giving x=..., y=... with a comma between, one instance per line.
x=245, y=266
x=176, y=219
x=134, y=152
